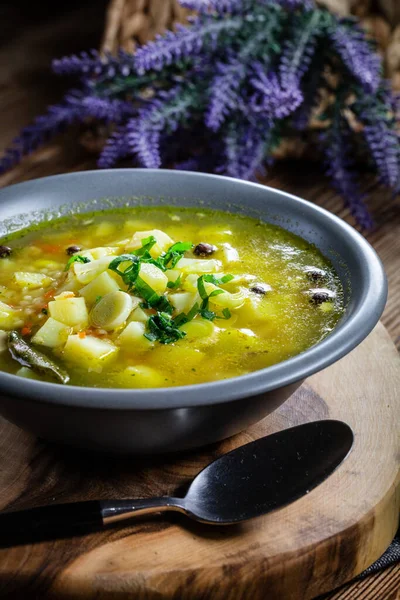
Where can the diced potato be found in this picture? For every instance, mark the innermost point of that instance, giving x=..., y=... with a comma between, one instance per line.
x=103, y=251
x=154, y=277
x=105, y=228
x=5, y=293
x=52, y=334
x=31, y=281
x=196, y=265
x=133, y=225
x=70, y=311
x=111, y=311
x=139, y=315
x=229, y=254
x=100, y=286
x=176, y=357
x=244, y=340
x=139, y=376
x=45, y=263
x=86, y=272
x=9, y=317
x=132, y=337
x=28, y=373
x=122, y=243
x=257, y=308
x=199, y=328
x=163, y=241
x=3, y=340
x=172, y=274
x=190, y=283
x=89, y=352
x=183, y=301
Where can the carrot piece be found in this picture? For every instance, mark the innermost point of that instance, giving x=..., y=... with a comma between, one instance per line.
x=50, y=248
x=49, y=294
x=26, y=330
x=82, y=335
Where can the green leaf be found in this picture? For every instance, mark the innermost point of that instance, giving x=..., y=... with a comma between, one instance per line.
x=175, y=253
x=208, y=314
x=76, y=258
x=227, y=313
x=175, y=284
x=163, y=329
x=147, y=244
x=131, y=272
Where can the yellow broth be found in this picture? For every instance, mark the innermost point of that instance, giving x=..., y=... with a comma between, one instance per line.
x=268, y=312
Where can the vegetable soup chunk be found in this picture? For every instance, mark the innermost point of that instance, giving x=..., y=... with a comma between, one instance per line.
x=133, y=298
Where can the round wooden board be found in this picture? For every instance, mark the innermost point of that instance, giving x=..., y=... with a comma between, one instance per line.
x=298, y=552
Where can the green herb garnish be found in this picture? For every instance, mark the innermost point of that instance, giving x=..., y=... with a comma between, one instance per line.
x=163, y=329
x=74, y=259
x=174, y=284
x=175, y=253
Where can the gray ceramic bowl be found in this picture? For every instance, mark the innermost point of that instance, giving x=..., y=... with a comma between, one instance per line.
x=171, y=419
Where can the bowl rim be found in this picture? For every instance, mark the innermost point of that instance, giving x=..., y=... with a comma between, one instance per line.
x=340, y=341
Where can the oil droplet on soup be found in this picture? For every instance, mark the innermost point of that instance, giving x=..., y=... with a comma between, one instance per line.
x=158, y=297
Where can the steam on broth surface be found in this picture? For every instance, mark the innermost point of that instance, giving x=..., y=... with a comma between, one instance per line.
x=154, y=297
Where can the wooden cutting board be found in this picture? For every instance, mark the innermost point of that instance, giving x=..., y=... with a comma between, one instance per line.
x=298, y=552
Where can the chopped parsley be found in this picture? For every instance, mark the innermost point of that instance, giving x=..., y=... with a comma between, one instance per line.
x=175, y=253
x=163, y=329
x=76, y=258
x=172, y=285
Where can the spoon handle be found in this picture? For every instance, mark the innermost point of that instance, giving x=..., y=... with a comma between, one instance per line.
x=120, y=510
x=76, y=518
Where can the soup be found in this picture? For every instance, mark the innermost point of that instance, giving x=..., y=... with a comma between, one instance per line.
x=154, y=297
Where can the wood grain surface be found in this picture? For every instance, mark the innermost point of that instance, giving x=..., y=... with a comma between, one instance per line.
x=32, y=473
x=299, y=552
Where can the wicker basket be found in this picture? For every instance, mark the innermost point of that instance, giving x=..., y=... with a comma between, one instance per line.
x=129, y=22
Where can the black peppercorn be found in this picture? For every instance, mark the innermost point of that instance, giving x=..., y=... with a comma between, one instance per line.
x=5, y=251
x=73, y=250
x=314, y=273
x=320, y=295
x=204, y=249
x=260, y=288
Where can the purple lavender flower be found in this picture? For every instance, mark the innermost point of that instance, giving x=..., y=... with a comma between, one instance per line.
x=299, y=49
x=185, y=42
x=245, y=146
x=144, y=142
x=164, y=114
x=219, y=6
x=92, y=64
x=384, y=145
x=377, y=114
x=335, y=147
x=271, y=99
x=241, y=76
x=351, y=44
x=224, y=93
x=109, y=110
x=43, y=128
x=116, y=147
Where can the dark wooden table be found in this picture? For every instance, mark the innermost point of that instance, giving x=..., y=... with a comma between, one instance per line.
x=31, y=37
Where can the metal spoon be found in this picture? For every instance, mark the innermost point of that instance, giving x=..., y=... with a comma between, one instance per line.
x=248, y=482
